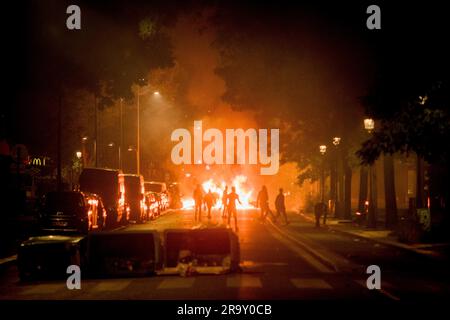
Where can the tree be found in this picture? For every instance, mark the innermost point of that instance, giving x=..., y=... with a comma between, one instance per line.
x=279, y=69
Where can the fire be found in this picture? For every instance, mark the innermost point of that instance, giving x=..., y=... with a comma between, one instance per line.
x=217, y=189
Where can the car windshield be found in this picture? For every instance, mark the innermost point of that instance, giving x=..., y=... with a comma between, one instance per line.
x=154, y=187
x=66, y=202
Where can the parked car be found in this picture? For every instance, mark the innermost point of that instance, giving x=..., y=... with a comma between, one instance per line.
x=134, y=196
x=110, y=186
x=161, y=190
x=151, y=205
x=72, y=211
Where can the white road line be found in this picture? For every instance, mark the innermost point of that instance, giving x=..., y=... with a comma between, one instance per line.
x=243, y=281
x=310, y=283
x=311, y=260
x=176, y=283
x=112, y=285
x=362, y=283
x=44, y=288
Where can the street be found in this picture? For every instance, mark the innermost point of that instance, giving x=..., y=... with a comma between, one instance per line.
x=295, y=261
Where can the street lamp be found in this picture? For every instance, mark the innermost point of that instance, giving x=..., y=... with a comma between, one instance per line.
x=336, y=141
x=336, y=183
x=83, y=143
x=323, y=150
x=79, y=154
x=138, y=142
x=369, y=125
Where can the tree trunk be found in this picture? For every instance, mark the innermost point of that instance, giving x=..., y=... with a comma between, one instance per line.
x=389, y=192
x=348, y=193
x=363, y=176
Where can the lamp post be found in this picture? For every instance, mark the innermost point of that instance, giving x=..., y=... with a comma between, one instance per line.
x=83, y=142
x=323, y=150
x=369, y=125
x=138, y=133
x=335, y=193
x=121, y=132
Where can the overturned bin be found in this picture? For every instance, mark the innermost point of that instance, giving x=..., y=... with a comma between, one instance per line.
x=48, y=257
x=200, y=251
x=123, y=254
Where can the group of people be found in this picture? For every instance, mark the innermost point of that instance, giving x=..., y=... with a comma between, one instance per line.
x=230, y=201
x=229, y=204
x=280, y=205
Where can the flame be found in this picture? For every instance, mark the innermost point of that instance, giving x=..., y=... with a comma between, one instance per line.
x=217, y=188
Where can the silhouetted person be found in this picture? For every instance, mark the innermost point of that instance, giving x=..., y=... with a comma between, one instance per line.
x=209, y=201
x=263, y=202
x=319, y=210
x=232, y=211
x=198, y=198
x=281, y=206
x=224, y=201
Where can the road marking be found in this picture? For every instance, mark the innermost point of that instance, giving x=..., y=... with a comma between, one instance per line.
x=310, y=283
x=253, y=264
x=112, y=285
x=310, y=259
x=382, y=291
x=244, y=281
x=44, y=288
x=313, y=257
x=176, y=283
x=8, y=259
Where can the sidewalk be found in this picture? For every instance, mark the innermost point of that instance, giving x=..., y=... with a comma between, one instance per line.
x=383, y=236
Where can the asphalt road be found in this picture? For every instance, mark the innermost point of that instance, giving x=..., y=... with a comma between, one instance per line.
x=297, y=261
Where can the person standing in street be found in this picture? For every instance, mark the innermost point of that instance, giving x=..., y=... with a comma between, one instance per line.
x=198, y=198
x=232, y=211
x=281, y=206
x=263, y=203
x=319, y=210
x=209, y=201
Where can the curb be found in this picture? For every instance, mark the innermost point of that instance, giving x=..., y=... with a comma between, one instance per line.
x=307, y=248
x=383, y=242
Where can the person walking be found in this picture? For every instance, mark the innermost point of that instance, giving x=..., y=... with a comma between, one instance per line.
x=209, y=201
x=198, y=198
x=224, y=201
x=231, y=204
x=263, y=203
x=319, y=210
x=281, y=206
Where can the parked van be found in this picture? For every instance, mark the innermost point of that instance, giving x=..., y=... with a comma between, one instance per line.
x=72, y=211
x=110, y=186
x=134, y=196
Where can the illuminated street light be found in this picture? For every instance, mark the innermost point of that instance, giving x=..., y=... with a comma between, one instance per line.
x=79, y=154
x=322, y=149
x=84, y=139
x=156, y=93
x=369, y=124
x=111, y=144
x=336, y=141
